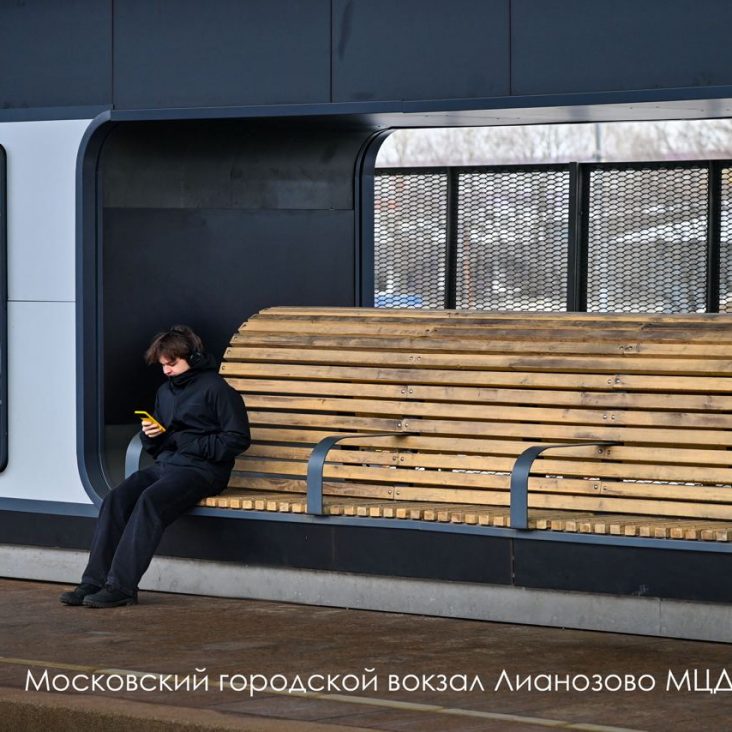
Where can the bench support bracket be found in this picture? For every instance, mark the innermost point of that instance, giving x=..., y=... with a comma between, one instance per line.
x=133, y=455
x=520, y=480
x=316, y=464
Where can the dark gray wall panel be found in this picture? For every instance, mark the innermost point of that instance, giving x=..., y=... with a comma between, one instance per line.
x=211, y=269
x=231, y=164
x=620, y=570
x=580, y=46
x=185, y=53
x=55, y=53
x=420, y=49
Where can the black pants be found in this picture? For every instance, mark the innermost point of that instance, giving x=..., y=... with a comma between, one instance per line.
x=132, y=519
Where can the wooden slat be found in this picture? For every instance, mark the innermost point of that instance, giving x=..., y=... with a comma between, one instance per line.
x=554, y=364
x=553, y=432
x=614, y=417
x=508, y=315
x=716, y=455
x=660, y=508
x=484, y=395
x=472, y=344
x=615, y=332
x=607, y=382
x=565, y=466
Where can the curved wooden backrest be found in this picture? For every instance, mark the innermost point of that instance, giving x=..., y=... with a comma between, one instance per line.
x=478, y=389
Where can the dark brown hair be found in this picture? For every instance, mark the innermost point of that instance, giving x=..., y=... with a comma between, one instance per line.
x=178, y=342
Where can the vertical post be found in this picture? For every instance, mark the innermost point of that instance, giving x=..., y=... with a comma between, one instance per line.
x=714, y=235
x=364, y=200
x=451, y=240
x=577, y=237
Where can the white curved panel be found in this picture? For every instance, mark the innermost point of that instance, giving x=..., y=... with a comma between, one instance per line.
x=41, y=203
x=41, y=166
x=42, y=404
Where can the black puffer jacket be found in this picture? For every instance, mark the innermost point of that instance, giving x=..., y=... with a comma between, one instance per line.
x=206, y=421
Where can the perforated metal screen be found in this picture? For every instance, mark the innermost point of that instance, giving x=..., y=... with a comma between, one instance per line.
x=647, y=240
x=645, y=237
x=410, y=219
x=512, y=240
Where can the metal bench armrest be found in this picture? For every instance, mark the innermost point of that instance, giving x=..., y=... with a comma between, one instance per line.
x=520, y=480
x=133, y=454
x=316, y=464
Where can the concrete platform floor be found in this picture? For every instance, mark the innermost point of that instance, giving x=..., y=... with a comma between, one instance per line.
x=171, y=633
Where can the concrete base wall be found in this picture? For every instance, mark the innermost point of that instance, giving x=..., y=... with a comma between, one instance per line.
x=497, y=603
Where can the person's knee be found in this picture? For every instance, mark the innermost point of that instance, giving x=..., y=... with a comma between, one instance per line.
x=111, y=500
x=130, y=488
x=120, y=500
x=167, y=509
x=149, y=505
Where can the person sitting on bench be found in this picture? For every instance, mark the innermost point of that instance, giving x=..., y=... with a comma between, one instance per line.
x=205, y=427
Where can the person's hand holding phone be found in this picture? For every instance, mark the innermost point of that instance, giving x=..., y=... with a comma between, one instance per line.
x=151, y=429
x=150, y=426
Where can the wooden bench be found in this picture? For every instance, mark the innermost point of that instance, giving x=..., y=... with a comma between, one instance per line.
x=444, y=402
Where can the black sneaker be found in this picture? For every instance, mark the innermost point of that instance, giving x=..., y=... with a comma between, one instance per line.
x=77, y=595
x=109, y=597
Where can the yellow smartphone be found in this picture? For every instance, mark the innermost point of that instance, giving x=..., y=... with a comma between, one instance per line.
x=148, y=417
